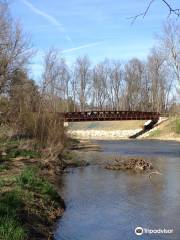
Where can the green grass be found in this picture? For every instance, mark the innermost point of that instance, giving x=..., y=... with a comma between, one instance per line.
x=29, y=179
x=10, y=142
x=7, y=142
x=177, y=126
x=12, y=150
x=11, y=230
x=68, y=155
x=155, y=133
x=3, y=166
x=14, y=153
x=71, y=142
x=2, y=183
x=20, y=195
x=10, y=204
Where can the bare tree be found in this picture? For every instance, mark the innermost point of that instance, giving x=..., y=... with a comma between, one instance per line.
x=158, y=77
x=170, y=46
x=74, y=88
x=117, y=84
x=51, y=87
x=64, y=81
x=15, y=48
x=133, y=78
x=82, y=75
x=100, y=83
x=171, y=9
x=23, y=96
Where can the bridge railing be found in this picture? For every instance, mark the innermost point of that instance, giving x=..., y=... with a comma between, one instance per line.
x=109, y=116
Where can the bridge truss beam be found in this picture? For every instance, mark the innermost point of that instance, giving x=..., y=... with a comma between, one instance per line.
x=109, y=116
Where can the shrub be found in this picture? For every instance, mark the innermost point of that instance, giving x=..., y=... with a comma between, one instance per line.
x=25, y=124
x=46, y=127
x=49, y=129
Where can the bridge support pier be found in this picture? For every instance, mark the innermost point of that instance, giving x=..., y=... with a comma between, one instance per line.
x=147, y=126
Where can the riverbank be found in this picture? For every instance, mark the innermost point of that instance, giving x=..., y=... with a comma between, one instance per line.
x=168, y=130
x=121, y=130
x=29, y=193
x=29, y=187
x=29, y=196
x=106, y=130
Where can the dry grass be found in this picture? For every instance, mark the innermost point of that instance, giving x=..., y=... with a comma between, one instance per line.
x=168, y=130
x=107, y=125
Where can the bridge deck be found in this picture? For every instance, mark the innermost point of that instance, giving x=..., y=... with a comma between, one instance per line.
x=109, y=116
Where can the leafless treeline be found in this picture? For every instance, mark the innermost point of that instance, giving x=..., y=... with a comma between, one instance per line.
x=149, y=85
x=15, y=51
x=23, y=105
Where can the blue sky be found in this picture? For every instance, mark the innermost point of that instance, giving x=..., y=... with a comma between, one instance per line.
x=97, y=28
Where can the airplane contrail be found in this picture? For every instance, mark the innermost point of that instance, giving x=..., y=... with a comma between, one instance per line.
x=81, y=47
x=47, y=16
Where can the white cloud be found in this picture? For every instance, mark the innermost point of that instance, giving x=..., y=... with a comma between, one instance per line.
x=47, y=16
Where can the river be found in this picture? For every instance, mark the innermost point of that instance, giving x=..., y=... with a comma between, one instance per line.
x=108, y=205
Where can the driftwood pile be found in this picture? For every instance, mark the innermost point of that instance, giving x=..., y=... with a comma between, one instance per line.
x=130, y=163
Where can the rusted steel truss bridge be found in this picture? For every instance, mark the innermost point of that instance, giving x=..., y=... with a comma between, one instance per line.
x=109, y=116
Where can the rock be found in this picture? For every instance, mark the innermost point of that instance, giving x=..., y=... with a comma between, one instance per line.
x=102, y=134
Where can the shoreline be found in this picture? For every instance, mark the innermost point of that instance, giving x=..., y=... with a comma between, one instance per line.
x=165, y=139
x=102, y=134
x=102, y=138
x=167, y=129
x=29, y=192
x=34, y=181
x=49, y=172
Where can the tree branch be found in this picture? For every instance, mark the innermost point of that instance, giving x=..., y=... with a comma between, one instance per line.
x=175, y=11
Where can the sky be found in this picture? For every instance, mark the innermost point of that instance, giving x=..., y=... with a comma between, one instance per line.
x=96, y=28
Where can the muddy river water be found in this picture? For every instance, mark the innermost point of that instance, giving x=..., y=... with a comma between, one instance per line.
x=108, y=205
